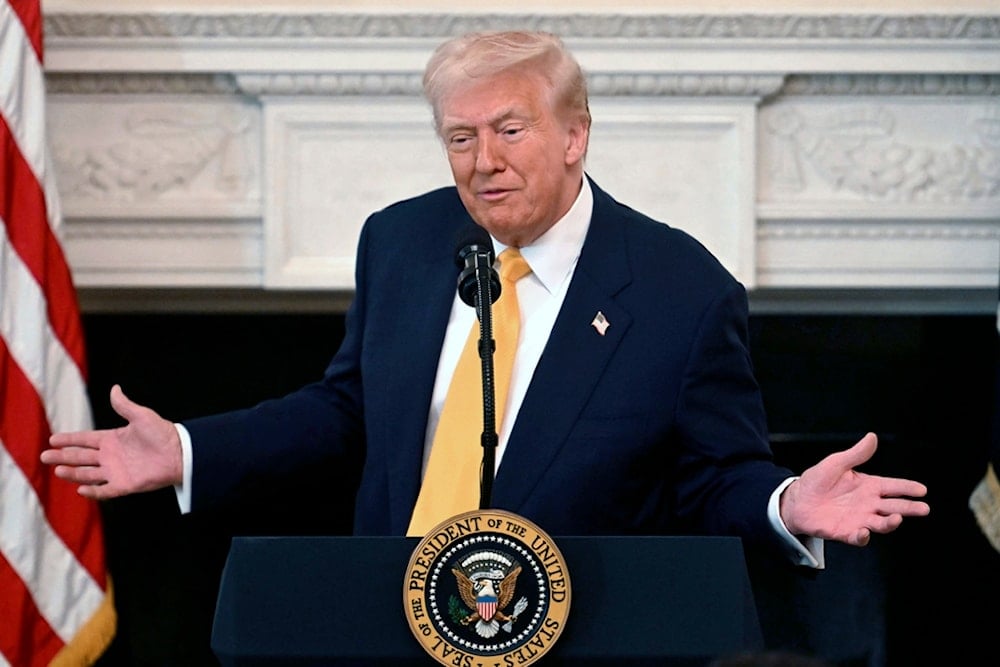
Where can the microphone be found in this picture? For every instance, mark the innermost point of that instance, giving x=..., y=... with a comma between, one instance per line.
x=479, y=287
x=474, y=255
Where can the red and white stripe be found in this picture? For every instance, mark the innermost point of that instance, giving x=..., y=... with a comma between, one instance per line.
x=54, y=589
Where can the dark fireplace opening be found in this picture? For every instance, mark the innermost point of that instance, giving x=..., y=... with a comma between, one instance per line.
x=923, y=383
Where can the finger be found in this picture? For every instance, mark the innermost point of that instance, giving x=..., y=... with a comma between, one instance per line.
x=885, y=524
x=89, y=439
x=89, y=475
x=860, y=538
x=71, y=456
x=894, y=487
x=95, y=492
x=903, y=507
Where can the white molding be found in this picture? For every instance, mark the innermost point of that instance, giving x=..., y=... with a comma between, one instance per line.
x=642, y=42
x=688, y=163
x=173, y=156
x=874, y=254
x=332, y=162
x=201, y=253
x=608, y=24
x=672, y=84
x=614, y=85
x=335, y=128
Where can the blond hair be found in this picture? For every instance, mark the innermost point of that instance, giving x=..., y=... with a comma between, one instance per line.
x=478, y=55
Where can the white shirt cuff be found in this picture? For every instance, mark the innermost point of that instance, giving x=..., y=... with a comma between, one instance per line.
x=809, y=550
x=183, y=490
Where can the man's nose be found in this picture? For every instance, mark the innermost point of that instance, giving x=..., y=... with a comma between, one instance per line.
x=489, y=153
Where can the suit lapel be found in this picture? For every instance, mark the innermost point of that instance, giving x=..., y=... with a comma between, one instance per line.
x=573, y=360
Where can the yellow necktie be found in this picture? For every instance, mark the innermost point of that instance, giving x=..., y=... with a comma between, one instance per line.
x=452, y=481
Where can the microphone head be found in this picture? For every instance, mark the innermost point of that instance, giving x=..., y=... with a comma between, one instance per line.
x=472, y=239
x=474, y=255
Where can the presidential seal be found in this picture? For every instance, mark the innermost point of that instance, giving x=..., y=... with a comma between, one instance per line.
x=486, y=588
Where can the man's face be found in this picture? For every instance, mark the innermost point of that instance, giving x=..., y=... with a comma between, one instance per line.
x=517, y=164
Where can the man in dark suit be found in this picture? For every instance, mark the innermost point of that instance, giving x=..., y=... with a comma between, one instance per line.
x=632, y=406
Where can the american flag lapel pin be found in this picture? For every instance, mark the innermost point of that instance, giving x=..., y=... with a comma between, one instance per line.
x=600, y=323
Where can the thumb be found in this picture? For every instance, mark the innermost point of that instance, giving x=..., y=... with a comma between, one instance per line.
x=860, y=452
x=121, y=404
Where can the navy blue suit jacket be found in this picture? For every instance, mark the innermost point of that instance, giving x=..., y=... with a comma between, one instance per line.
x=657, y=427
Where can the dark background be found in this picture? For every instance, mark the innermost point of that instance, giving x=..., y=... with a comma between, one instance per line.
x=923, y=383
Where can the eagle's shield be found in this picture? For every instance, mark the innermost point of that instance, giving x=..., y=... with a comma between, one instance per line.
x=486, y=605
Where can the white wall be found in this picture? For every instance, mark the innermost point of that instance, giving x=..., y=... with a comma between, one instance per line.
x=850, y=152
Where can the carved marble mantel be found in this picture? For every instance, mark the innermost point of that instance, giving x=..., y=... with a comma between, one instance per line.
x=206, y=151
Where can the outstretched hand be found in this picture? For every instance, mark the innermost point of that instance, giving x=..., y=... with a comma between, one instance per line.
x=143, y=455
x=833, y=501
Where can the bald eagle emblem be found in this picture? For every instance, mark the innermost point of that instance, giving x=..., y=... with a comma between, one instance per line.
x=486, y=583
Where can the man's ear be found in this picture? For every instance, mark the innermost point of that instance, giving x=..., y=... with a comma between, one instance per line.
x=576, y=141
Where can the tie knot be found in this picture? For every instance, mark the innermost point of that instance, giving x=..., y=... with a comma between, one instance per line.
x=513, y=266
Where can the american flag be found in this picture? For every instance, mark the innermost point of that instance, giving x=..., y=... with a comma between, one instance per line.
x=55, y=599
